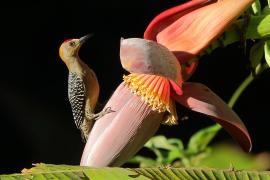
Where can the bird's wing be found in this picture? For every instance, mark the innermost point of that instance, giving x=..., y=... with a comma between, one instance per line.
x=76, y=95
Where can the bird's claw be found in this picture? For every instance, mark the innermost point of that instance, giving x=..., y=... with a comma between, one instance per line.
x=108, y=110
x=101, y=114
x=104, y=112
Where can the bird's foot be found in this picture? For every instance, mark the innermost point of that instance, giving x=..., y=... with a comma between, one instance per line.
x=101, y=114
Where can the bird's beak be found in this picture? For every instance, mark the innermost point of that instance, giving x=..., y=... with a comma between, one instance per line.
x=85, y=38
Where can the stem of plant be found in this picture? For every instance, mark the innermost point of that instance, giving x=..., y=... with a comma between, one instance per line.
x=249, y=79
x=241, y=88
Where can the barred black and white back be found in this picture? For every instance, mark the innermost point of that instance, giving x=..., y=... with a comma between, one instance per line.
x=76, y=95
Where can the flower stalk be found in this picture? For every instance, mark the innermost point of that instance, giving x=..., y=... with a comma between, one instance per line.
x=241, y=88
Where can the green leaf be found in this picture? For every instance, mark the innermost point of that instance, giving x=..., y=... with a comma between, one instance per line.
x=51, y=171
x=195, y=160
x=177, y=142
x=258, y=27
x=166, y=151
x=268, y=3
x=267, y=52
x=222, y=155
x=256, y=54
x=266, y=10
x=144, y=161
x=113, y=173
x=199, y=141
x=165, y=173
x=256, y=7
x=161, y=142
x=174, y=155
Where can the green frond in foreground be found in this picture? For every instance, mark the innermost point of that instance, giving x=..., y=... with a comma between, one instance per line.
x=49, y=171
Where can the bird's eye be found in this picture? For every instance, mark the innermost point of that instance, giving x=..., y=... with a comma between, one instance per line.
x=72, y=43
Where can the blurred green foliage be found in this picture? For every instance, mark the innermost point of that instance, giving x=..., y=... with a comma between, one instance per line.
x=172, y=153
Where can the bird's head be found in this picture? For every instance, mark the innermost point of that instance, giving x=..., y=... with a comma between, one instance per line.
x=70, y=48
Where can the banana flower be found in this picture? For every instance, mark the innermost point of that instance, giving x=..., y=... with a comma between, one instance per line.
x=146, y=97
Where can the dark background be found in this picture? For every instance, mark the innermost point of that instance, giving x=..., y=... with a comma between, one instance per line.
x=36, y=122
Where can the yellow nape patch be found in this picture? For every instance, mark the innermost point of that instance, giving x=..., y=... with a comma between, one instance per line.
x=155, y=90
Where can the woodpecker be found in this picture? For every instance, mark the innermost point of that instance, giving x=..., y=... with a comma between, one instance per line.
x=83, y=86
